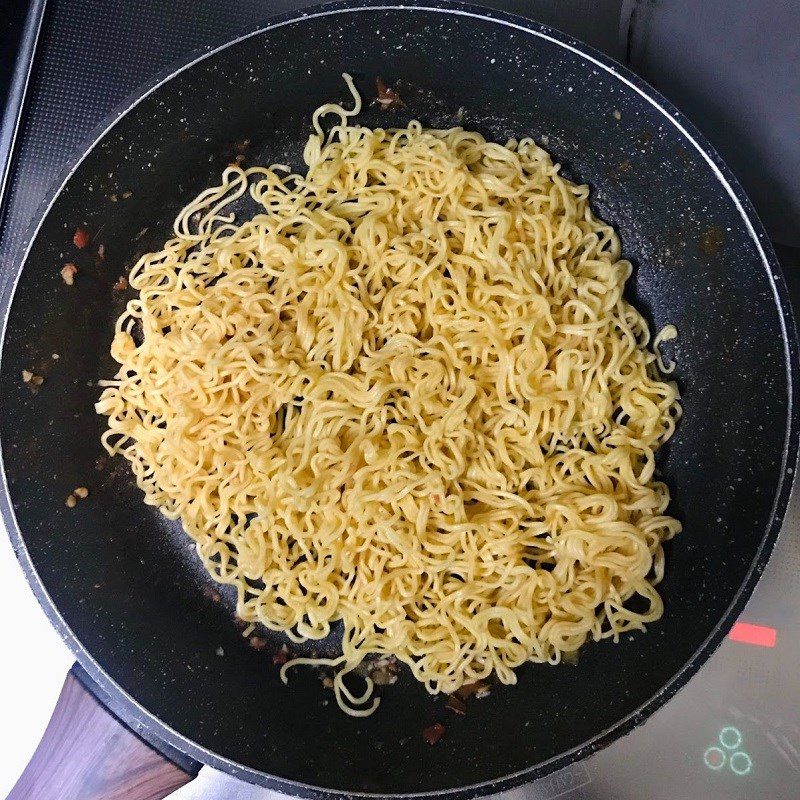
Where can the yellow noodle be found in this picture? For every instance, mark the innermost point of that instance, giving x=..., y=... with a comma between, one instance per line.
x=666, y=334
x=407, y=395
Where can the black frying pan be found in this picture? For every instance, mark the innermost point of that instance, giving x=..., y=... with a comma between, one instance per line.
x=123, y=586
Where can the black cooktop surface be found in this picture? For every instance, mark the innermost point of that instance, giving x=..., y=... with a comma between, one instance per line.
x=734, y=730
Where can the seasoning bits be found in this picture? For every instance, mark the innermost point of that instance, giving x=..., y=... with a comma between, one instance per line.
x=80, y=238
x=388, y=99
x=31, y=379
x=68, y=273
x=433, y=733
x=80, y=493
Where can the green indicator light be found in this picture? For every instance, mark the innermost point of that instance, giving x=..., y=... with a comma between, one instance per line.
x=730, y=738
x=714, y=758
x=741, y=763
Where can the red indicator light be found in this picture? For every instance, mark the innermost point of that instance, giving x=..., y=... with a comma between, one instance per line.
x=714, y=758
x=759, y=635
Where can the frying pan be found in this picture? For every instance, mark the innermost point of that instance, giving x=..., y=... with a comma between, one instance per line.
x=123, y=585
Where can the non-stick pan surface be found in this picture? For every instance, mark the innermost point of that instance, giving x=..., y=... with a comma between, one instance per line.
x=122, y=584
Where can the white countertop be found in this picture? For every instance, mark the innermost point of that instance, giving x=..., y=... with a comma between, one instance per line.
x=33, y=666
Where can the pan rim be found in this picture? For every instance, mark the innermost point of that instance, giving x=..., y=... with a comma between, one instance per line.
x=754, y=229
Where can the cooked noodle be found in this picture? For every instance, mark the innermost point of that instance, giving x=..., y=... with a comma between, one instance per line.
x=406, y=395
x=666, y=334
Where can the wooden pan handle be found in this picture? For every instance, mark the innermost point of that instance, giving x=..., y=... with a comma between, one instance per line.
x=86, y=753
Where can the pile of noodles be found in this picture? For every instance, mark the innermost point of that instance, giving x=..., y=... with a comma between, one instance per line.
x=407, y=395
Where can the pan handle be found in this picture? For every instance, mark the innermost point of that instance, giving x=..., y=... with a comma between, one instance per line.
x=86, y=753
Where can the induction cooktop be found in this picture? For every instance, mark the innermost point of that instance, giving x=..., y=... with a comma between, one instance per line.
x=734, y=731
